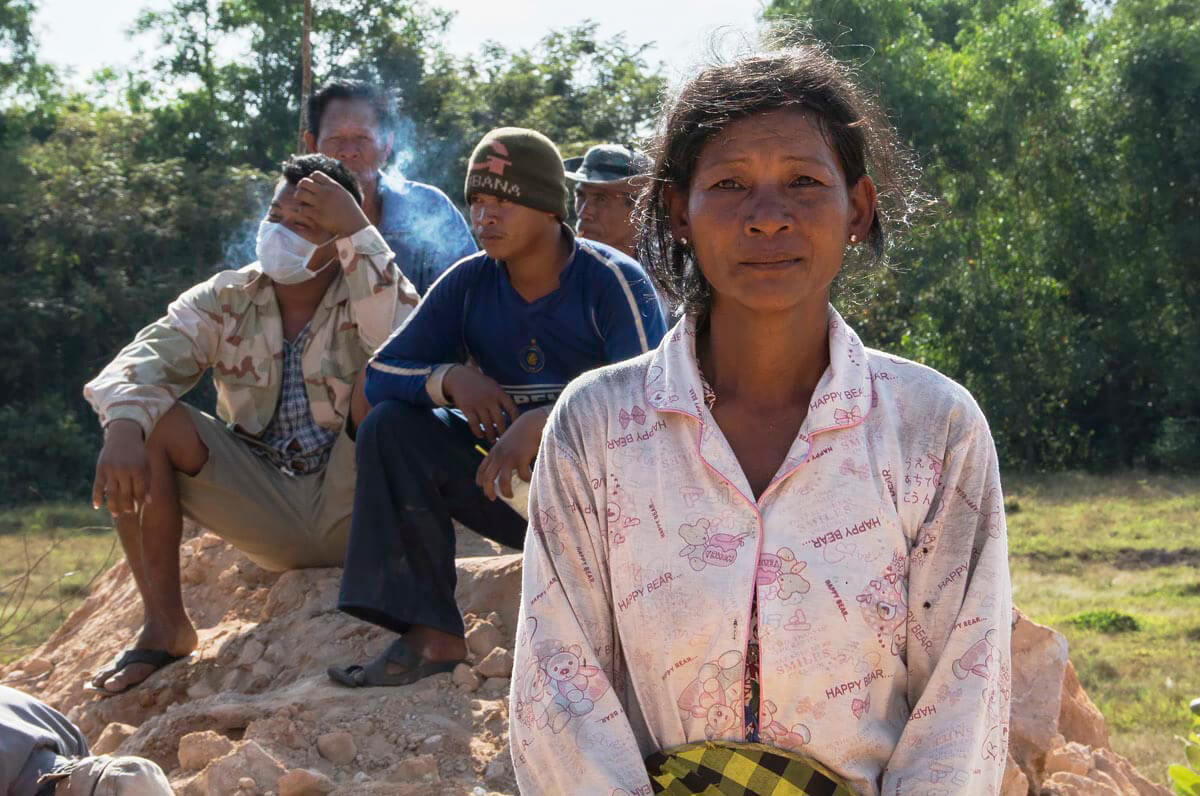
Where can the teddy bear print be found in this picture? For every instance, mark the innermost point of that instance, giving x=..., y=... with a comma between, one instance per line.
x=560, y=687
x=996, y=693
x=779, y=574
x=619, y=519
x=551, y=527
x=885, y=609
x=979, y=658
x=992, y=513
x=705, y=546
x=775, y=733
x=715, y=695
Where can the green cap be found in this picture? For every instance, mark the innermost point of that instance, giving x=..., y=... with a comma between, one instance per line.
x=522, y=166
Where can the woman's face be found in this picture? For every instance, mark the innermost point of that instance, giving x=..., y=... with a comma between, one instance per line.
x=769, y=214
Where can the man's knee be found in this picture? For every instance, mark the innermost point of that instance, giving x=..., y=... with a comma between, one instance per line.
x=176, y=442
x=388, y=419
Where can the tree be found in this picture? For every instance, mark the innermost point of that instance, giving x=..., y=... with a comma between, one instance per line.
x=1053, y=283
x=571, y=86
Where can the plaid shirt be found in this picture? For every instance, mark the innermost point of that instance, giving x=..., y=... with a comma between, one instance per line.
x=293, y=441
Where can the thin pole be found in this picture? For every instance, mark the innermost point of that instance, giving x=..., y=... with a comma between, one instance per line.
x=305, y=73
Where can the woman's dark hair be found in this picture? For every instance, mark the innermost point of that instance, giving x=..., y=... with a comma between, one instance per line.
x=297, y=167
x=804, y=77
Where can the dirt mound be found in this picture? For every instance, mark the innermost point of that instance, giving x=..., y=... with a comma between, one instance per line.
x=252, y=711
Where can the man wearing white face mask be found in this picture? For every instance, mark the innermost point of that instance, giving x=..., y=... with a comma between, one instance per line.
x=287, y=339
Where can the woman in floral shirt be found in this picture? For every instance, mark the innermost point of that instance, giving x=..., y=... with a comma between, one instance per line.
x=763, y=530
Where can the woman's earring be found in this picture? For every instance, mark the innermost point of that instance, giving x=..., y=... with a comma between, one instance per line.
x=853, y=238
x=683, y=241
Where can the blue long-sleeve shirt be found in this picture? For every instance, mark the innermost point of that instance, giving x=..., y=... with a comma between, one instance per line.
x=604, y=310
x=423, y=229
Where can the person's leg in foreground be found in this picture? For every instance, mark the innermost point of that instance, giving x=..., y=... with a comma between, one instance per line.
x=416, y=471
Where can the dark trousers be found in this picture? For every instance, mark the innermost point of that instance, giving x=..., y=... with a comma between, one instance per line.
x=416, y=470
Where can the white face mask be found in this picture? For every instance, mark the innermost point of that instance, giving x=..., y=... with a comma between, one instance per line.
x=284, y=255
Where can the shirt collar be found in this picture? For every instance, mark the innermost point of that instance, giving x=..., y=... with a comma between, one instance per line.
x=842, y=398
x=261, y=291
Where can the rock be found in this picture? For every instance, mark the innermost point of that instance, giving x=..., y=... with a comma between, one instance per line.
x=302, y=782
x=200, y=689
x=483, y=638
x=422, y=768
x=35, y=667
x=1039, y=658
x=1078, y=719
x=496, y=686
x=248, y=761
x=111, y=739
x=498, y=663
x=198, y=749
x=1073, y=757
x=499, y=768
x=337, y=747
x=490, y=584
x=464, y=677
x=1126, y=776
x=1015, y=783
x=258, y=675
x=251, y=652
x=1064, y=783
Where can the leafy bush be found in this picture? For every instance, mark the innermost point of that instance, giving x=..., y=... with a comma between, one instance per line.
x=1177, y=446
x=48, y=451
x=1106, y=621
x=1186, y=779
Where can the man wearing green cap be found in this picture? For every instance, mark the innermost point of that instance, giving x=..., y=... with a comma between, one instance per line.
x=605, y=192
x=530, y=312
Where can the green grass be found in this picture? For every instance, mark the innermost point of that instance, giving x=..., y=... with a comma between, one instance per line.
x=1096, y=557
x=49, y=555
x=1093, y=556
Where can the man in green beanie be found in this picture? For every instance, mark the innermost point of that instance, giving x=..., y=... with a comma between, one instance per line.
x=530, y=312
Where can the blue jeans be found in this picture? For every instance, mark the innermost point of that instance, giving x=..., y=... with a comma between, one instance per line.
x=416, y=471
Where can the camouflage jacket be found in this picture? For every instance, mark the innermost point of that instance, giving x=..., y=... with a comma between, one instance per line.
x=232, y=324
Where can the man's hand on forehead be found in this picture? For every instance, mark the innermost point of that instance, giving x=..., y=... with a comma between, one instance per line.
x=325, y=204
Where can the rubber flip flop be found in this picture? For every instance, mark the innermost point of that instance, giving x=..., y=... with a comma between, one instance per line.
x=398, y=654
x=156, y=658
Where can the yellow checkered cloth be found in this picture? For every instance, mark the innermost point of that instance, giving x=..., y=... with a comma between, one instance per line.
x=739, y=769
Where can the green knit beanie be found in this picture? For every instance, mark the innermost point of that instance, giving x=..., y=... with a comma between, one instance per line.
x=522, y=166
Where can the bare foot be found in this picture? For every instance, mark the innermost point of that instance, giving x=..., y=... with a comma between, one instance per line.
x=178, y=642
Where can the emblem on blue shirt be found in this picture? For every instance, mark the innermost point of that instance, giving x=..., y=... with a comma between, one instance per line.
x=532, y=358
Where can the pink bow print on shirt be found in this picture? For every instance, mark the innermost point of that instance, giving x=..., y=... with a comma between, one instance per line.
x=637, y=415
x=841, y=416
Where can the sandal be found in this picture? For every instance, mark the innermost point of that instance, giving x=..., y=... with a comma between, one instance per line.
x=375, y=673
x=156, y=658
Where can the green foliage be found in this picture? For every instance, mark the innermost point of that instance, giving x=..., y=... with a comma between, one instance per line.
x=571, y=86
x=1106, y=621
x=100, y=242
x=1177, y=445
x=1185, y=779
x=118, y=201
x=1055, y=282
